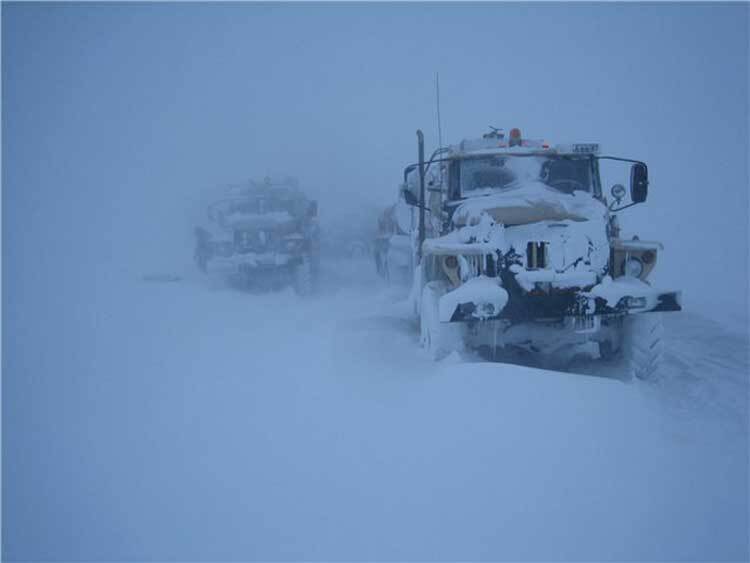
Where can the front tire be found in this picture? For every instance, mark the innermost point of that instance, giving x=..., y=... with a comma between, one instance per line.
x=643, y=344
x=304, y=277
x=201, y=260
x=437, y=338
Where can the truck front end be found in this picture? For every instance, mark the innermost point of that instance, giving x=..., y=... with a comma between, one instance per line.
x=527, y=250
x=265, y=237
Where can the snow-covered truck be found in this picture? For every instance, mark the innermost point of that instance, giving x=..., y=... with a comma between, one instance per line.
x=519, y=248
x=264, y=234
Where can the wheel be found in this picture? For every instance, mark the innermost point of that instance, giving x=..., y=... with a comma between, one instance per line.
x=438, y=338
x=202, y=249
x=642, y=344
x=304, y=277
x=607, y=351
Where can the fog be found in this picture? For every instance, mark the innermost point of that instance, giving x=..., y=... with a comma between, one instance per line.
x=128, y=110
x=116, y=116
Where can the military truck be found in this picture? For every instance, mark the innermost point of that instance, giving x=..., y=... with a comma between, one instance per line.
x=264, y=234
x=518, y=247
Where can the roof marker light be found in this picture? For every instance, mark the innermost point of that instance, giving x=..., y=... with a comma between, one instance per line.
x=515, y=137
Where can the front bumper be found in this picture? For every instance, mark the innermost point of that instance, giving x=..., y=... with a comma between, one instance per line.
x=613, y=298
x=264, y=260
x=255, y=264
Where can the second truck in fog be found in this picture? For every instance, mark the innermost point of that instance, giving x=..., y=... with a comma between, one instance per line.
x=263, y=234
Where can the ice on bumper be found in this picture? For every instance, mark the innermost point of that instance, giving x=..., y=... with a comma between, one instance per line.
x=251, y=260
x=482, y=296
x=630, y=293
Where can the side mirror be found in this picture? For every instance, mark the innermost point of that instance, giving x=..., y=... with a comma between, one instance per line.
x=638, y=182
x=409, y=197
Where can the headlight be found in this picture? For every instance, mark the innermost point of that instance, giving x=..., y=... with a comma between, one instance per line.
x=632, y=267
x=635, y=302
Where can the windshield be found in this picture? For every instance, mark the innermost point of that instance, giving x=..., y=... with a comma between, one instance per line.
x=500, y=172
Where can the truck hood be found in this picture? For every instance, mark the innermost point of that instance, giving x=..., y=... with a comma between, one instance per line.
x=577, y=251
x=573, y=228
x=530, y=202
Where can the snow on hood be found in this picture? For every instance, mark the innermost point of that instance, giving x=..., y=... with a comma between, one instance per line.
x=577, y=251
x=530, y=202
x=483, y=235
x=572, y=245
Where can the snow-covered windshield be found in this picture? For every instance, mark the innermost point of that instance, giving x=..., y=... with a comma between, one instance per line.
x=499, y=172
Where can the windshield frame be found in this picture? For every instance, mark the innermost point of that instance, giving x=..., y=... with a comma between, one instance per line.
x=456, y=192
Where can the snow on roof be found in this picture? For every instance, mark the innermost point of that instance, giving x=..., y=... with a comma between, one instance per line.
x=495, y=145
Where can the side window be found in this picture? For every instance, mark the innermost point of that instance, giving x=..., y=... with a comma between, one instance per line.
x=596, y=179
x=567, y=174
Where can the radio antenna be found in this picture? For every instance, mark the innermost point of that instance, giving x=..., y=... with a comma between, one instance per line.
x=437, y=97
x=439, y=124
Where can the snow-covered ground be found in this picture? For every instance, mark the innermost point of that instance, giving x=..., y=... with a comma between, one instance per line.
x=190, y=420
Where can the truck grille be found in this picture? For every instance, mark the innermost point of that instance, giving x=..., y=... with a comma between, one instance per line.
x=536, y=255
x=253, y=241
